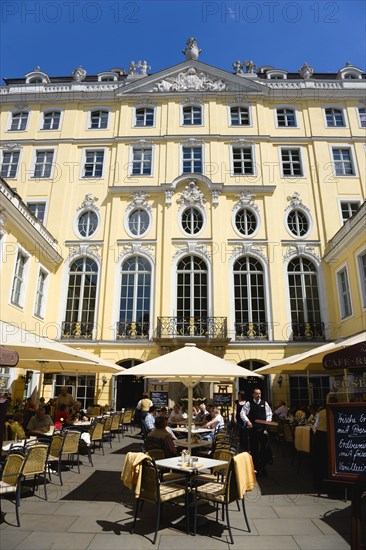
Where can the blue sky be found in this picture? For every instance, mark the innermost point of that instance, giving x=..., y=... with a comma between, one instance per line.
x=59, y=35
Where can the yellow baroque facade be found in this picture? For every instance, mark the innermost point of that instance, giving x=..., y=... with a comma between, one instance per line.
x=189, y=205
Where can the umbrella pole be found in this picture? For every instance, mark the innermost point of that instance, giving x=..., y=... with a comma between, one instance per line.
x=190, y=419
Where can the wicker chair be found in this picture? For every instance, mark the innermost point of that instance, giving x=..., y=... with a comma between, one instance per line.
x=10, y=483
x=156, y=492
x=115, y=426
x=54, y=455
x=96, y=437
x=35, y=464
x=107, y=436
x=70, y=447
x=221, y=493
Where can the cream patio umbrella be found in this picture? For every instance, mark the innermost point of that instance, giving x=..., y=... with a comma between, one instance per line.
x=47, y=355
x=189, y=365
x=311, y=360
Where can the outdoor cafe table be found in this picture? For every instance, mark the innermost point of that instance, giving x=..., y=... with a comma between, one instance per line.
x=197, y=431
x=194, y=445
x=302, y=439
x=19, y=443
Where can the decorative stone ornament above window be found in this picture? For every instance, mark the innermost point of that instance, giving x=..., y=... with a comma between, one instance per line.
x=296, y=202
x=190, y=80
x=191, y=195
x=139, y=200
x=191, y=50
x=246, y=199
x=89, y=203
x=306, y=71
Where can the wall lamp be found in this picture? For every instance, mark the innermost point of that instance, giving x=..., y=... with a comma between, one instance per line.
x=280, y=380
x=104, y=379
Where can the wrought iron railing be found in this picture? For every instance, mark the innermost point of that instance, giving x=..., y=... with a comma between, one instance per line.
x=132, y=330
x=251, y=331
x=308, y=332
x=77, y=330
x=204, y=327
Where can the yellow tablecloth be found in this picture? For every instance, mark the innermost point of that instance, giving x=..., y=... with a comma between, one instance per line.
x=302, y=438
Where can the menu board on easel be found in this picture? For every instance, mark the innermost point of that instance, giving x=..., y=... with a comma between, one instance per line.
x=347, y=441
x=159, y=398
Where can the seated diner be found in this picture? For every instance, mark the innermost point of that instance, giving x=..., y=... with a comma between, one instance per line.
x=40, y=422
x=160, y=433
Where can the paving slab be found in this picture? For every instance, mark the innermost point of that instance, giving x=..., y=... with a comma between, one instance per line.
x=323, y=542
x=279, y=526
x=265, y=543
x=9, y=539
x=55, y=541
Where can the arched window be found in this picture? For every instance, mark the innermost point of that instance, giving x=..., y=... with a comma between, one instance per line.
x=249, y=297
x=192, y=296
x=192, y=220
x=81, y=299
x=246, y=221
x=87, y=223
x=134, y=310
x=304, y=300
x=298, y=223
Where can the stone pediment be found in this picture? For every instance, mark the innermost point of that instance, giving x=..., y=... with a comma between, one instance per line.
x=192, y=76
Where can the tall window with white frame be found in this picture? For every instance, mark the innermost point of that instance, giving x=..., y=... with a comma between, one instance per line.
x=306, y=320
x=192, y=115
x=249, y=297
x=51, y=120
x=362, y=116
x=192, y=160
x=192, y=297
x=286, y=118
x=93, y=166
x=81, y=300
x=334, y=118
x=239, y=116
x=291, y=163
x=43, y=164
x=342, y=160
x=17, y=291
x=19, y=121
x=9, y=166
x=344, y=293
x=141, y=161
x=99, y=120
x=348, y=208
x=243, y=164
x=40, y=294
x=134, y=311
x=144, y=116
x=362, y=275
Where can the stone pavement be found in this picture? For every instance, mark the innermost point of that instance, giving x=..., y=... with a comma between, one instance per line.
x=93, y=511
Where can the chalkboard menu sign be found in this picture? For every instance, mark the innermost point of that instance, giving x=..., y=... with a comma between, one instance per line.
x=223, y=399
x=347, y=441
x=159, y=398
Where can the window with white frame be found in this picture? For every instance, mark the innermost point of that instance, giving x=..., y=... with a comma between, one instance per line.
x=192, y=296
x=51, y=120
x=249, y=296
x=82, y=388
x=38, y=209
x=344, y=293
x=10, y=162
x=304, y=299
x=93, y=166
x=19, y=121
x=240, y=116
x=362, y=116
x=138, y=222
x=141, y=161
x=246, y=221
x=192, y=220
x=334, y=117
x=192, y=160
x=348, y=208
x=242, y=158
x=286, y=118
x=361, y=261
x=43, y=164
x=134, y=311
x=17, y=291
x=98, y=120
x=291, y=163
x=39, y=305
x=342, y=161
x=298, y=223
x=81, y=299
x=192, y=115
x=144, y=116
x=87, y=223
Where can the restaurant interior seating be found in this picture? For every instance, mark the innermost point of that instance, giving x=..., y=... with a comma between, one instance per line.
x=158, y=492
x=10, y=483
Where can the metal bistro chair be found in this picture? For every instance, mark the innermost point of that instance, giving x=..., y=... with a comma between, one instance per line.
x=35, y=464
x=10, y=482
x=222, y=493
x=156, y=492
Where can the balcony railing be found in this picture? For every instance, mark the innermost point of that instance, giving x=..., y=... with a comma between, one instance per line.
x=204, y=327
x=77, y=330
x=304, y=332
x=251, y=331
x=132, y=331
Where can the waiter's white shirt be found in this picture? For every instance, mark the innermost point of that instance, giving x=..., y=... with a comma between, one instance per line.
x=246, y=409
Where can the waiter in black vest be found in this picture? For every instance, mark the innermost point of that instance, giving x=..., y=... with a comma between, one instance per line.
x=257, y=409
